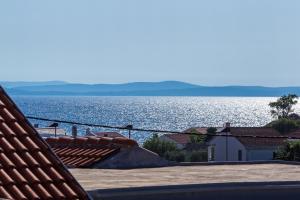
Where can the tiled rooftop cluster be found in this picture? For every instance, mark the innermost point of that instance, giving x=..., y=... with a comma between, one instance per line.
x=28, y=167
x=86, y=151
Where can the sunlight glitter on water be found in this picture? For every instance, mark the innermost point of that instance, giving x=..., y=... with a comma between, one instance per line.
x=170, y=113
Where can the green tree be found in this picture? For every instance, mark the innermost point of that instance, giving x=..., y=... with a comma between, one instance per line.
x=198, y=156
x=283, y=106
x=159, y=146
x=178, y=156
x=284, y=125
x=211, y=130
x=290, y=151
x=197, y=139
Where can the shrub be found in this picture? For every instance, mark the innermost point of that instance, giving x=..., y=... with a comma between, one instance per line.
x=284, y=125
x=169, y=151
x=211, y=130
x=178, y=156
x=290, y=151
x=197, y=139
x=198, y=156
x=294, y=116
x=159, y=146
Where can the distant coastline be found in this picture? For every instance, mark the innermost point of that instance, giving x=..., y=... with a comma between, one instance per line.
x=165, y=88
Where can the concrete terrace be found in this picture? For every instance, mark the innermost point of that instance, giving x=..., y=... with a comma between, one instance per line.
x=92, y=179
x=191, y=182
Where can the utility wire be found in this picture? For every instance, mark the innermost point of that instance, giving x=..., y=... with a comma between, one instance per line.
x=131, y=128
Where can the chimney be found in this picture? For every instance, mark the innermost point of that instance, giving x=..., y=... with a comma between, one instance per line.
x=227, y=125
x=88, y=131
x=74, y=131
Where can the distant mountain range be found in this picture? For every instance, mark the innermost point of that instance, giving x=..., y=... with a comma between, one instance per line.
x=165, y=88
x=12, y=84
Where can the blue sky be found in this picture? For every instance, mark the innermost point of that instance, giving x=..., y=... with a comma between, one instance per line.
x=211, y=42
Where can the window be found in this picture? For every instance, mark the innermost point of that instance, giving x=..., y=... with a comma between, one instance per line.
x=240, y=155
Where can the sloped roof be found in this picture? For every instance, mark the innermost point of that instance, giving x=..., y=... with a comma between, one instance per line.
x=182, y=139
x=199, y=130
x=87, y=151
x=261, y=131
x=28, y=167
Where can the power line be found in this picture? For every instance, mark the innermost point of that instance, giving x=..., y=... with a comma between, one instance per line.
x=131, y=128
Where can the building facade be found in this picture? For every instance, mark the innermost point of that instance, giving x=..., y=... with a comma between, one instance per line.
x=240, y=144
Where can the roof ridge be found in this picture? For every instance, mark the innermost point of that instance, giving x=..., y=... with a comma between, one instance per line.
x=85, y=140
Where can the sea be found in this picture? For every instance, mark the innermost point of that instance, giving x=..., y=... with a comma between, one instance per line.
x=159, y=113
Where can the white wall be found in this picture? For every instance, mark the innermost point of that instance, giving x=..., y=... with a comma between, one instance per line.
x=232, y=148
x=260, y=154
x=219, y=143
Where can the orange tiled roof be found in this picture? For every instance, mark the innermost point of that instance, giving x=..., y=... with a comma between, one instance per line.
x=197, y=130
x=87, y=151
x=182, y=139
x=257, y=142
x=261, y=131
x=28, y=167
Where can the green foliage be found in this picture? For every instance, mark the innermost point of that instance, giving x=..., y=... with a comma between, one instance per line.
x=186, y=156
x=284, y=125
x=211, y=130
x=197, y=139
x=159, y=146
x=198, y=156
x=178, y=156
x=283, y=106
x=290, y=151
x=193, y=131
x=169, y=151
x=294, y=116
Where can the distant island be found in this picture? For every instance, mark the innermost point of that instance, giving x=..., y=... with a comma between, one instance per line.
x=165, y=88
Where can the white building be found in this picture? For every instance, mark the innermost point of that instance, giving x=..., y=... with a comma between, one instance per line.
x=239, y=145
x=235, y=148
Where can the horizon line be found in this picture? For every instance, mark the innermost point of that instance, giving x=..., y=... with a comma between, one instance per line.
x=161, y=81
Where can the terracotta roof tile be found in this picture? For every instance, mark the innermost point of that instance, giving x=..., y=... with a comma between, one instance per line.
x=28, y=167
x=86, y=151
x=182, y=139
x=261, y=131
x=4, y=193
x=197, y=130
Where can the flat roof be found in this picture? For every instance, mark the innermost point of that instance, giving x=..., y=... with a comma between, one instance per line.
x=95, y=179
